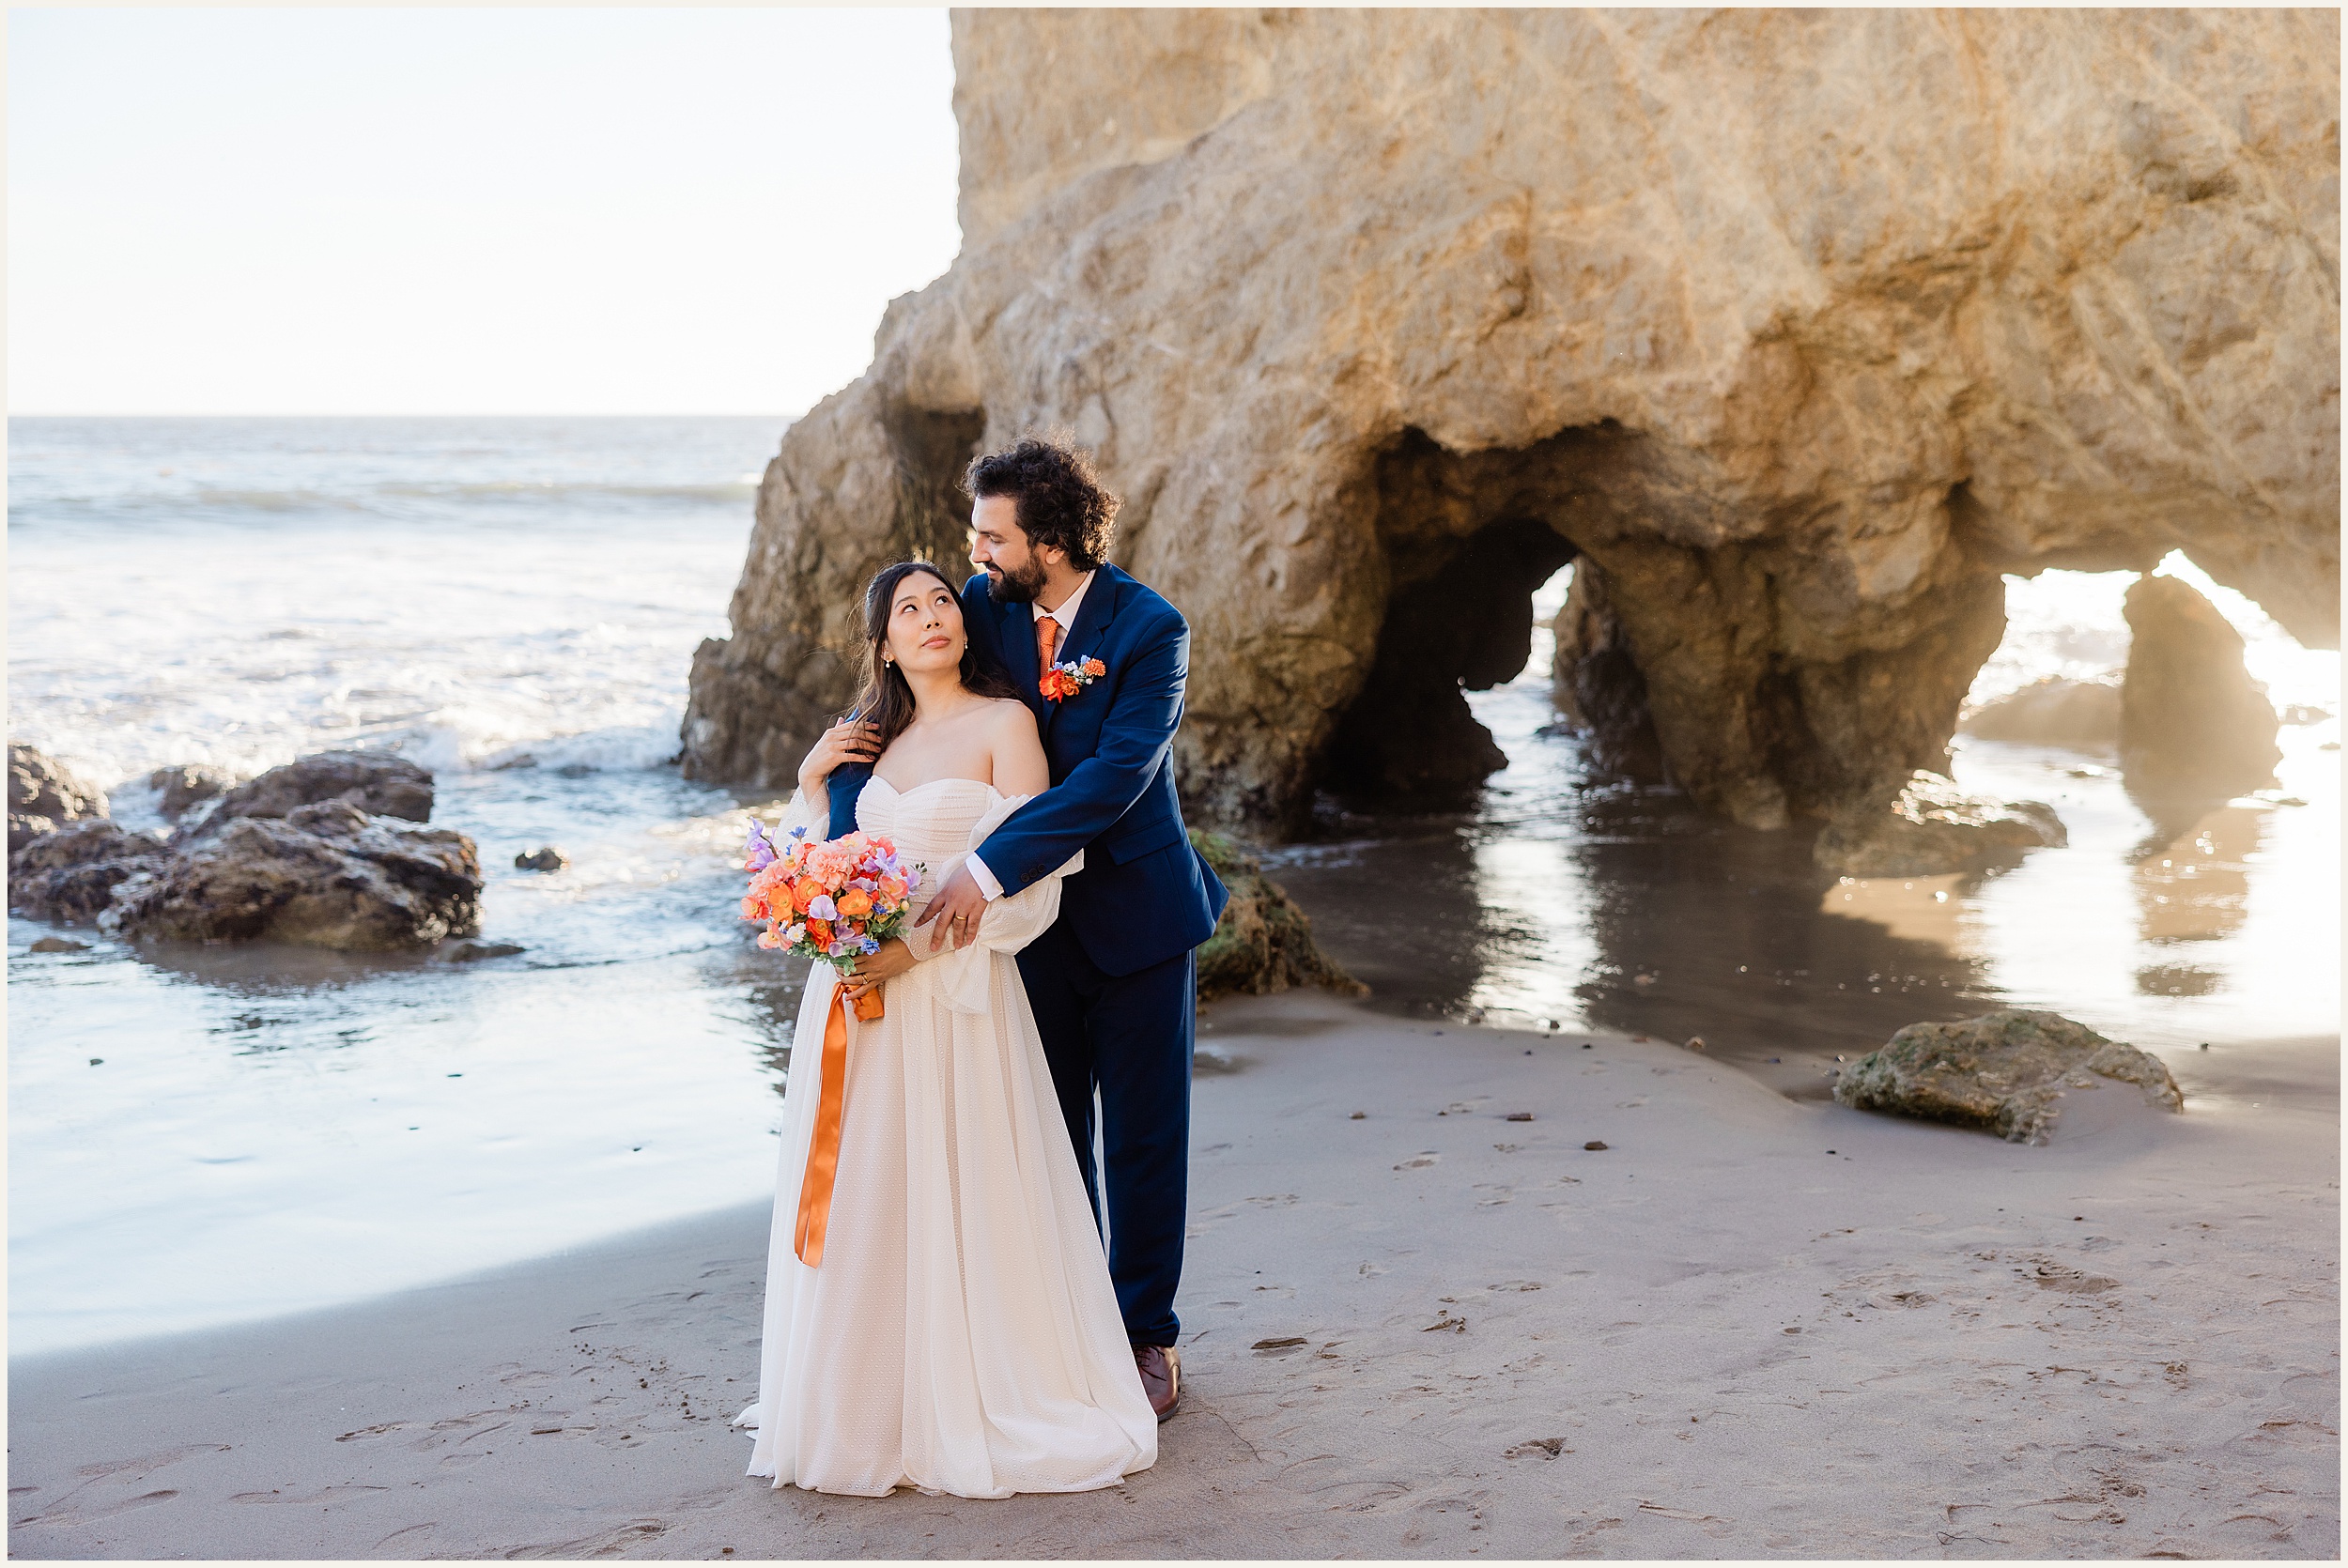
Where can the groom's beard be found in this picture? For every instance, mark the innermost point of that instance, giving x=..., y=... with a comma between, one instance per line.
x=1016, y=588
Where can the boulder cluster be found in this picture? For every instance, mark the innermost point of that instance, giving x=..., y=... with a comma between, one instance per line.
x=316, y=854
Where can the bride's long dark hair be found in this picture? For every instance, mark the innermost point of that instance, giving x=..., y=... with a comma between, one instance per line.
x=887, y=700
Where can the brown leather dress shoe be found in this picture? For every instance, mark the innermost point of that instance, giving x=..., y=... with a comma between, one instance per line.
x=1161, y=1368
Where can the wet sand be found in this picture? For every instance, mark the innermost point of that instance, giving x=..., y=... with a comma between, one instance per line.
x=1751, y=1326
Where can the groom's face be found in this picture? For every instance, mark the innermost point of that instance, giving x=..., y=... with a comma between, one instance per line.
x=1014, y=574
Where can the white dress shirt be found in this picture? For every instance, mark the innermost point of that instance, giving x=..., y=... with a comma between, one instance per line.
x=1066, y=615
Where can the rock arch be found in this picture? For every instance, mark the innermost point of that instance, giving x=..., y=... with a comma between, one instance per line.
x=1799, y=328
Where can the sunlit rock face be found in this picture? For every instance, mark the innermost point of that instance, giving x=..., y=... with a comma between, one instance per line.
x=1796, y=328
x=2191, y=719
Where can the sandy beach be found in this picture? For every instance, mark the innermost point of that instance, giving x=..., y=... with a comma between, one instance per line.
x=1702, y=539
x=1750, y=1326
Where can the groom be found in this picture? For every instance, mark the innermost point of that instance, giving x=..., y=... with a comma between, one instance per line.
x=1101, y=660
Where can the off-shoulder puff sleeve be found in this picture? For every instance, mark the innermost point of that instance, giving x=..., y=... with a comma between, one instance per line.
x=815, y=817
x=1009, y=923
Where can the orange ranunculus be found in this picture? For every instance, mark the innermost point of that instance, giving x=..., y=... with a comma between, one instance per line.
x=753, y=909
x=803, y=892
x=855, y=904
x=819, y=934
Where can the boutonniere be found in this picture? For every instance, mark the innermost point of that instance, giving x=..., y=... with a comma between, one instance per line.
x=1064, y=681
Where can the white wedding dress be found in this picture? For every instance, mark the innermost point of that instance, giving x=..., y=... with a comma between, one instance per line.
x=962, y=1335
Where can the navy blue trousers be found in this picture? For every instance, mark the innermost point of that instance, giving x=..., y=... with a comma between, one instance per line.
x=1130, y=1037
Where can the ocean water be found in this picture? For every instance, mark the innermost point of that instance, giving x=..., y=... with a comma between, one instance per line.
x=206, y=1134
x=203, y=1135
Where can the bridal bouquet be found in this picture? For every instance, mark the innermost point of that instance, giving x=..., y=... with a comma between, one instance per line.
x=839, y=901
x=836, y=900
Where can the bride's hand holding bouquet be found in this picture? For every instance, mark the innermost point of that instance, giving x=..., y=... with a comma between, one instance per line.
x=840, y=901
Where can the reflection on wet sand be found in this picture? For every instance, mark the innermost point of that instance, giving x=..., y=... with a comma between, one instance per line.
x=1917, y=909
x=2196, y=887
x=1569, y=900
x=762, y=995
x=1633, y=912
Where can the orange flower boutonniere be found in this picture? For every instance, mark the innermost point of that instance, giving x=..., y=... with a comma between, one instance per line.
x=1064, y=681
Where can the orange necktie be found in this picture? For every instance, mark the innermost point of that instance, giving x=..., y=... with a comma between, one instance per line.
x=1046, y=639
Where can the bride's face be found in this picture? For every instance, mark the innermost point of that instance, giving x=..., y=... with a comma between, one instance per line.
x=925, y=630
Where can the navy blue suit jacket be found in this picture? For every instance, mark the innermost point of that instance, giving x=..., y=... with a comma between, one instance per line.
x=1145, y=895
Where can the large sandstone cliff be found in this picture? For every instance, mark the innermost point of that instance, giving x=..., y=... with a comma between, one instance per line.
x=1794, y=329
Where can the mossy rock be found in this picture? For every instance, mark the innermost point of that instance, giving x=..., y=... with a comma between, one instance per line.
x=1263, y=943
x=2001, y=1072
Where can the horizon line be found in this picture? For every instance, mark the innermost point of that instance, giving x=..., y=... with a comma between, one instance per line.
x=538, y=414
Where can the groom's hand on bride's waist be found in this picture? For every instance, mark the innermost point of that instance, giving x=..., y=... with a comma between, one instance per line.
x=961, y=903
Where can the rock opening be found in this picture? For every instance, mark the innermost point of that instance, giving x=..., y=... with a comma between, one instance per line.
x=1468, y=627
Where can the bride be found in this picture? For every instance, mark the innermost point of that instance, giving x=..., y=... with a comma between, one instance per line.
x=959, y=1333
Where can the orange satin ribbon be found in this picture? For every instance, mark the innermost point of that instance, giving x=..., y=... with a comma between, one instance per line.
x=822, y=1149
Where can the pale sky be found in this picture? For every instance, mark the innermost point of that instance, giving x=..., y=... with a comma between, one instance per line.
x=466, y=211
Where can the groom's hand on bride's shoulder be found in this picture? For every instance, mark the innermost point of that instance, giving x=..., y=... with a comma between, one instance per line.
x=961, y=904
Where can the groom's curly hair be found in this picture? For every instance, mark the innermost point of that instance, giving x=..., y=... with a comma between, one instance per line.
x=1060, y=498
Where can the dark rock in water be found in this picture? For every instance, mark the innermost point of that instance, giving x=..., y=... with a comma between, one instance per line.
x=58, y=944
x=377, y=782
x=70, y=874
x=1598, y=683
x=547, y=858
x=2002, y=1073
x=2190, y=716
x=1263, y=943
x=189, y=784
x=2080, y=716
x=1926, y=826
x=44, y=795
x=472, y=952
x=324, y=875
